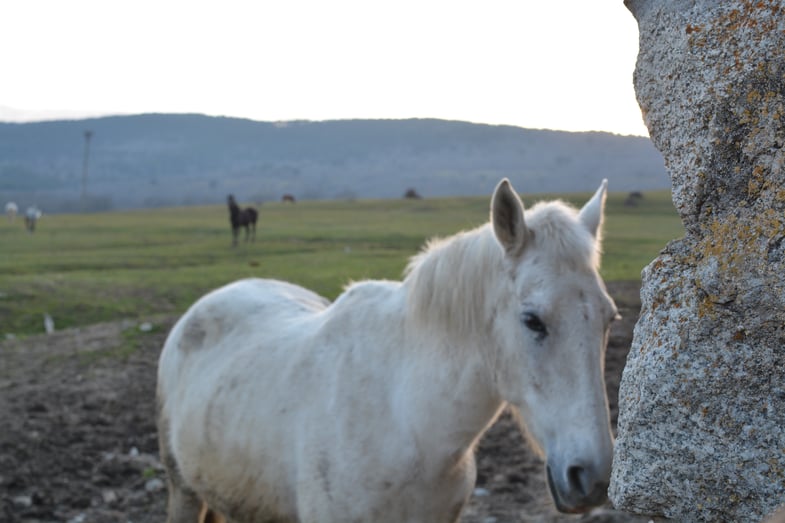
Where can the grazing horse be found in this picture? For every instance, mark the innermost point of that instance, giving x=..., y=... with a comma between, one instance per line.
x=242, y=218
x=276, y=405
x=10, y=210
x=32, y=215
x=288, y=198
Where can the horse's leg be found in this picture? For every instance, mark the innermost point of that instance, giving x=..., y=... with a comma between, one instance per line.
x=235, y=232
x=208, y=515
x=253, y=232
x=183, y=505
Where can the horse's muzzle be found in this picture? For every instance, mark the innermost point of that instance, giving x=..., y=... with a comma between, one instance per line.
x=579, y=489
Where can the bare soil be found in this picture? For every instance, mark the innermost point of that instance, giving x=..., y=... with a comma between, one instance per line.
x=78, y=440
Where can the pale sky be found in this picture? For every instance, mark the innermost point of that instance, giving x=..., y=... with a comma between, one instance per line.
x=530, y=63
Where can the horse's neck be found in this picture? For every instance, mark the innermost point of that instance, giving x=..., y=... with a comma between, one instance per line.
x=454, y=395
x=234, y=214
x=443, y=385
x=447, y=288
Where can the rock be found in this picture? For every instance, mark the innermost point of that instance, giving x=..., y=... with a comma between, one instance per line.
x=701, y=430
x=109, y=496
x=154, y=485
x=22, y=501
x=49, y=324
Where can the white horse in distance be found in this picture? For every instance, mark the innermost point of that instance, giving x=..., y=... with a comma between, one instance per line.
x=32, y=215
x=276, y=405
x=11, y=209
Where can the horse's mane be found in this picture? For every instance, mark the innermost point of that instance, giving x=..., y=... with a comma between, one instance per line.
x=449, y=280
x=564, y=239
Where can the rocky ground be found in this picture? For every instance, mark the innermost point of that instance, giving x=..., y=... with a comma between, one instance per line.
x=78, y=440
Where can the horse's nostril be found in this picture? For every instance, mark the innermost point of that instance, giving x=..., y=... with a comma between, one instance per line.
x=579, y=489
x=579, y=480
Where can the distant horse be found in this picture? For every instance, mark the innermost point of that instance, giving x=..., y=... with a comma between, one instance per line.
x=32, y=215
x=276, y=405
x=242, y=218
x=288, y=198
x=10, y=210
x=412, y=194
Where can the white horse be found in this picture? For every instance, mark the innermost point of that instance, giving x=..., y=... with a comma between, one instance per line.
x=275, y=405
x=32, y=215
x=10, y=210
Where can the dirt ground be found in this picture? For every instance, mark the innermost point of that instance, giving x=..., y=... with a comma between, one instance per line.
x=78, y=439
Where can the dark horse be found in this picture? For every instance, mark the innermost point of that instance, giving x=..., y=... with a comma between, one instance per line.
x=242, y=218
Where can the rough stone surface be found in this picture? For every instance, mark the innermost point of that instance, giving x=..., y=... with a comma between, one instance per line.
x=701, y=433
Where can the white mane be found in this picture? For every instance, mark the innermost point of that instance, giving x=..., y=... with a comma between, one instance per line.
x=559, y=233
x=449, y=281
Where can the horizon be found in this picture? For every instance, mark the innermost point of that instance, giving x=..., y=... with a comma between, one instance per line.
x=34, y=117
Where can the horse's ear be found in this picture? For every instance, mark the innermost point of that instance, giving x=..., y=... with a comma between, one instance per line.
x=507, y=219
x=591, y=214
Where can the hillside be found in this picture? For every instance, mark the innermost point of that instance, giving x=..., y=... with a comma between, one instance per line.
x=167, y=160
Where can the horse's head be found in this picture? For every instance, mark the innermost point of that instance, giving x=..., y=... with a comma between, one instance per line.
x=551, y=325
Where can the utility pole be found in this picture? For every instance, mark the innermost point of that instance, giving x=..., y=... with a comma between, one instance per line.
x=87, y=136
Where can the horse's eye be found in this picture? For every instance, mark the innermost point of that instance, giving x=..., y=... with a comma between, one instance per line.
x=534, y=324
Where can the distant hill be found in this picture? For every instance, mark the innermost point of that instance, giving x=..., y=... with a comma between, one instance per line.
x=168, y=160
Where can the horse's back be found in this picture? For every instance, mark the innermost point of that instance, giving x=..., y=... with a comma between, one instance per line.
x=253, y=215
x=250, y=320
x=237, y=308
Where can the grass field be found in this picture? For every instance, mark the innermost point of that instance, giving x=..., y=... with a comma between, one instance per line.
x=83, y=269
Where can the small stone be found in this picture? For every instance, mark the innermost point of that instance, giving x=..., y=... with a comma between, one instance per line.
x=109, y=496
x=481, y=492
x=22, y=501
x=49, y=324
x=154, y=485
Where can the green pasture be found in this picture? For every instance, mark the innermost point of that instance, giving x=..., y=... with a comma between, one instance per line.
x=83, y=269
